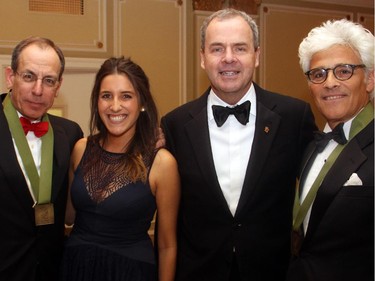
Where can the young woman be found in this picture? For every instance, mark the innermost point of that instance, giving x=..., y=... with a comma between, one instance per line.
x=118, y=179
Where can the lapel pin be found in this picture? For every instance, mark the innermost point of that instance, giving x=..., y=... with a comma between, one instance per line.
x=266, y=129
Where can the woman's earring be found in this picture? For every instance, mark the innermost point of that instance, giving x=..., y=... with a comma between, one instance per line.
x=143, y=109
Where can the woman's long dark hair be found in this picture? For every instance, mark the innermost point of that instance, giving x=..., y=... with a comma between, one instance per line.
x=142, y=147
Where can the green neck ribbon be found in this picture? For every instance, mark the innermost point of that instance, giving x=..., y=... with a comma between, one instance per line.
x=41, y=185
x=358, y=124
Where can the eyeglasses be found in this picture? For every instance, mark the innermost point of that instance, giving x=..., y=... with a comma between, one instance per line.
x=342, y=72
x=29, y=77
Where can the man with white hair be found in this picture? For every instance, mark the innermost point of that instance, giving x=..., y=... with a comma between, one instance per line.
x=333, y=228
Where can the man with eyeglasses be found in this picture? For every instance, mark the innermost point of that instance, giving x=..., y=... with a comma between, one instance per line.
x=34, y=158
x=333, y=226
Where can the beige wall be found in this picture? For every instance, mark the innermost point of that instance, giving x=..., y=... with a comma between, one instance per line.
x=152, y=36
x=163, y=37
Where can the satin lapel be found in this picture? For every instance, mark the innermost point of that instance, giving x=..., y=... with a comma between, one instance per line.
x=307, y=161
x=11, y=168
x=198, y=134
x=61, y=158
x=346, y=164
x=266, y=127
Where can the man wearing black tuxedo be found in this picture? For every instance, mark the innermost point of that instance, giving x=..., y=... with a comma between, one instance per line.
x=33, y=164
x=238, y=165
x=334, y=214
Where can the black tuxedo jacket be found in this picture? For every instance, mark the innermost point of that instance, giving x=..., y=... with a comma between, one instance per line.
x=28, y=252
x=260, y=229
x=339, y=242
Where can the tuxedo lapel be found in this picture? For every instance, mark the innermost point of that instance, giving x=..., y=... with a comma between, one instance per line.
x=11, y=168
x=346, y=164
x=266, y=127
x=198, y=135
x=61, y=153
x=307, y=161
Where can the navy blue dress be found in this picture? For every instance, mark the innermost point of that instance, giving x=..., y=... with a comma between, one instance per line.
x=109, y=240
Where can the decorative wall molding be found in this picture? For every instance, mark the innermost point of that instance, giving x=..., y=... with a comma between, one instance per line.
x=367, y=20
x=248, y=6
x=4, y=63
x=201, y=81
x=77, y=33
x=208, y=5
x=298, y=19
x=356, y=3
x=157, y=44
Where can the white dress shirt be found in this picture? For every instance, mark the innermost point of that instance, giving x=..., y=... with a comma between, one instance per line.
x=318, y=165
x=35, y=145
x=231, y=147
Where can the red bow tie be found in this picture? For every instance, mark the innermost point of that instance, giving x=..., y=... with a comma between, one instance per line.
x=39, y=128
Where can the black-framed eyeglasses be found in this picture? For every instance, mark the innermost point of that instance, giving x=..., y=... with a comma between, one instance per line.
x=342, y=72
x=29, y=77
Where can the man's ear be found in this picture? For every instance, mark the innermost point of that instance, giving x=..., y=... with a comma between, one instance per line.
x=58, y=87
x=9, y=77
x=202, y=59
x=370, y=82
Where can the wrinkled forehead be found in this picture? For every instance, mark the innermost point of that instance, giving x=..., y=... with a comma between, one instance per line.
x=36, y=58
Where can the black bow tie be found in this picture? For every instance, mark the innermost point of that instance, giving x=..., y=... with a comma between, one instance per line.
x=241, y=112
x=337, y=134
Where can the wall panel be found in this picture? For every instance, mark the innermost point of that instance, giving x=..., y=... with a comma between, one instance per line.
x=367, y=20
x=157, y=46
x=282, y=30
x=79, y=35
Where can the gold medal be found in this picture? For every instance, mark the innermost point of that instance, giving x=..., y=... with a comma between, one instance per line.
x=44, y=214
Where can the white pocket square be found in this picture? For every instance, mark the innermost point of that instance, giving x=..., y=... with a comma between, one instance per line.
x=353, y=180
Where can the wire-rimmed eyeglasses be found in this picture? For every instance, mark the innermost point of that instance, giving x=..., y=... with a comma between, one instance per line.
x=342, y=72
x=29, y=77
